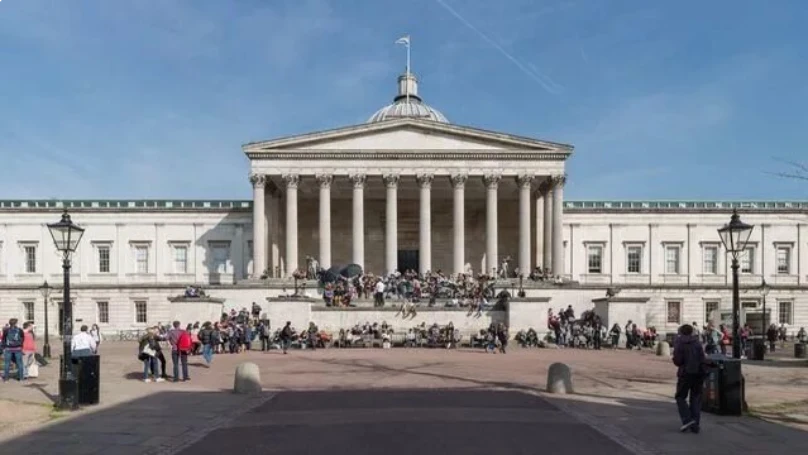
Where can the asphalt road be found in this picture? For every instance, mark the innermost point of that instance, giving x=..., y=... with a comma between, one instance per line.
x=407, y=422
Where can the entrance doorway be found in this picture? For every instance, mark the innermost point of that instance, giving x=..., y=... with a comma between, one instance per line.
x=408, y=260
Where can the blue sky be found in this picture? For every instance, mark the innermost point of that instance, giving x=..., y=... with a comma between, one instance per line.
x=153, y=98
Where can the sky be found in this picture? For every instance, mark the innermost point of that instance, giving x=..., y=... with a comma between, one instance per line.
x=685, y=100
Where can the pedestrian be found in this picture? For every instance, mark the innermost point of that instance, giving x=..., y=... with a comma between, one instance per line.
x=29, y=351
x=13, y=337
x=286, y=336
x=207, y=340
x=688, y=355
x=82, y=344
x=148, y=345
x=95, y=332
x=181, y=345
x=265, y=331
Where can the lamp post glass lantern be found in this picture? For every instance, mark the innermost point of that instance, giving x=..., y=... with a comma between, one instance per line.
x=735, y=235
x=46, y=289
x=66, y=236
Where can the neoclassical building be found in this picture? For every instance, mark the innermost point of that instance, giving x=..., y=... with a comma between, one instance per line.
x=406, y=190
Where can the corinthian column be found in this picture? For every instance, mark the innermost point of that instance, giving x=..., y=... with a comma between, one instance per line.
x=558, y=233
x=292, y=182
x=358, y=255
x=259, y=225
x=459, y=223
x=425, y=222
x=524, y=182
x=325, y=219
x=547, y=195
x=391, y=229
x=491, y=240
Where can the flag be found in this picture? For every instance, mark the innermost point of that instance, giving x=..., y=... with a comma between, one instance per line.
x=405, y=40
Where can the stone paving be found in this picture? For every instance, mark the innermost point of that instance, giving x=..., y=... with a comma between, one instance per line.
x=624, y=397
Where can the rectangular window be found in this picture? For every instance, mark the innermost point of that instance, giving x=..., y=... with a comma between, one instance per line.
x=709, y=307
x=30, y=258
x=28, y=309
x=634, y=259
x=783, y=260
x=748, y=260
x=103, y=259
x=672, y=254
x=103, y=312
x=784, y=313
x=595, y=259
x=710, y=260
x=141, y=316
x=674, y=312
x=142, y=259
x=180, y=259
x=220, y=252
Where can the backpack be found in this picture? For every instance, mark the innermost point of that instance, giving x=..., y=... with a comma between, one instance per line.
x=14, y=337
x=184, y=343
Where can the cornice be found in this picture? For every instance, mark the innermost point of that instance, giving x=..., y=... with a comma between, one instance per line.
x=409, y=155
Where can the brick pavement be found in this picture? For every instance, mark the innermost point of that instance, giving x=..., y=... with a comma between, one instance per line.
x=627, y=393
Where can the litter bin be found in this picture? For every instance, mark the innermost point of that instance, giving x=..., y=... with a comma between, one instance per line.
x=723, y=387
x=799, y=350
x=756, y=348
x=88, y=373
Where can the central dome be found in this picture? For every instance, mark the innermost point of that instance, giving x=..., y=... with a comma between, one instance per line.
x=407, y=104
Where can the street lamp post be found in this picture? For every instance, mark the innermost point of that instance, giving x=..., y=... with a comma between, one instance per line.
x=66, y=237
x=45, y=289
x=764, y=291
x=735, y=236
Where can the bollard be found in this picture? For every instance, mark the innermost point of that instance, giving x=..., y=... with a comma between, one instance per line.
x=663, y=349
x=559, y=379
x=248, y=379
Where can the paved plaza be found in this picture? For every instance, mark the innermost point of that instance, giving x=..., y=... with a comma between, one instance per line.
x=402, y=401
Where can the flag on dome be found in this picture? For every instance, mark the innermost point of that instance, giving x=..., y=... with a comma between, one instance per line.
x=405, y=40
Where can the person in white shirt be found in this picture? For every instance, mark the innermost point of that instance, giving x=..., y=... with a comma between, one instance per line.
x=82, y=344
x=379, y=294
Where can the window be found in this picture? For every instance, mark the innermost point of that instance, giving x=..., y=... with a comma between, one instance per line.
x=710, y=260
x=634, y=259
x=784, y=313
x=103, y=258
x=141, y=316
x=748, y=260
x=30, y=258
x=28, y=309
x=674, y=312
x=142, y=259
x=595, y=259
x=220, y=252
x=672, y=253
x=709, y=307
x=180, y=259
x=783, y=260
x=103, y=312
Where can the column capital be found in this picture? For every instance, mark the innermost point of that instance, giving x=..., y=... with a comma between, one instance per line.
x=324, y=180
x=458, y=180
x=524, y=180
x=358, y=180
x=558, y=180
x=391, y=180
x=424, y=180
x=258, y=180
x=492, y=181
x=292, y=180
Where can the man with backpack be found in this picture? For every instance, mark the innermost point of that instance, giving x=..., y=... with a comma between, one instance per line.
x=265, y=333
x=181, y=345
x=688, y=355
x=13, y=338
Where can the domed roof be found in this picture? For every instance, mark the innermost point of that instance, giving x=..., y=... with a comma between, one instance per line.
x=407, y=104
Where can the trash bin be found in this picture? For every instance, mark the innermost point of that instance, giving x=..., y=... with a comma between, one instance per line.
x=88, y=373
x=756, y=348
x=799, y=350
x=723, y=387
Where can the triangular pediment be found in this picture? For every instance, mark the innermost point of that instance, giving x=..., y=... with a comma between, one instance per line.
x=410, y=134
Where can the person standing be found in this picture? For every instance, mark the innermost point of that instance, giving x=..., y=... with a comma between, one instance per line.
x=206, y=339
x=265, y=332
x=286, y=336
x=13, y=337
x=688, y=356
x=28, y=351
x=180, y=341
x=95, y=332
x=82, y=344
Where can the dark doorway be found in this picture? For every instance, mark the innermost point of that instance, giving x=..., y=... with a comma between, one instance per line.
x=408, y=260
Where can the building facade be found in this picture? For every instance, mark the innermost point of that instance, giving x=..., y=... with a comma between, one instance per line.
x=406, y=190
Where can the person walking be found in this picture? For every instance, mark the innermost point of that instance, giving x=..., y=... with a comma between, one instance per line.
x=286, y=336
x=13, y=337
x=29, y=351
x=265, y=332
x=207, y=340
x=688, y=356
x=95, y=332
x=180, y=341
